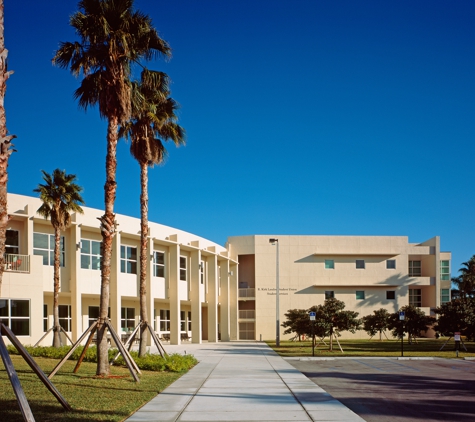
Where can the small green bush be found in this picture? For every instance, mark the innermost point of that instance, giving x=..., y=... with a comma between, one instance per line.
x=149, y=362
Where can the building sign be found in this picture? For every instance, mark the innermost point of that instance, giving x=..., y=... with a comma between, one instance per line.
x=283, y=291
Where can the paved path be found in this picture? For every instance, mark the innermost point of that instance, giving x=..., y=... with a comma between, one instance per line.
x=241, y=381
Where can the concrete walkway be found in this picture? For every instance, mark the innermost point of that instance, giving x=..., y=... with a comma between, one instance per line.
x=241, y=381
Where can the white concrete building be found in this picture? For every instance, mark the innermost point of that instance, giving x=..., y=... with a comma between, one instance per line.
x=199, y=290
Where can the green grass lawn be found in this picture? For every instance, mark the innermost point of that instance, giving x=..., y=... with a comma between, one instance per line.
x=92, y=398
x=423, y=348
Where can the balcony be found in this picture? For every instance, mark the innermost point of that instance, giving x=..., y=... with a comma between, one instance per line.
x=17, y=263
x=247, y=314
x=247, y=293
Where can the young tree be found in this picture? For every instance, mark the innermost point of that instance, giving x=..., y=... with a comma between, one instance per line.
x=377, y=322
x=297, y=322
x=457, y=315
x=415, y=321
x=153, y=120
x=113, y=37
x=331, y=319
x=6, y=147
x=61, y=196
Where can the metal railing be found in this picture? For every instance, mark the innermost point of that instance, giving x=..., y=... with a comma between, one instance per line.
x=247, y=314
x=249, y=292
x=17, y=263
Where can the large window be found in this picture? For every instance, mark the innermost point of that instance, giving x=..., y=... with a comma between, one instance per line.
x=189, y=321
x=65, y=317
x=329, y=264
x=164, y=320
x=360, y=264
x=182, y=321
x=445, y=270
x=12, y=242
x=45, y=318
x=128, y=259
x=415, y=269
x=16, y=314
x=415, y=297
x=94, y=314
x=444, y=296
x=43, y=245
x=158, y=264
x=183, y=268
x=329, y=294
x=90, y=254
x=127, y=319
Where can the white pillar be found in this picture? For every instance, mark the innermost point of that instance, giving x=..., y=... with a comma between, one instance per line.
x=173, y=293
x=224, y=300
x=195, y=296
x=212, y=299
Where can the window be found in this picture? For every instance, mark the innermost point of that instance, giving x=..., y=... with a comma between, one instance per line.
x=183, y=268
x=128, y=259
x=45, y=318
x=329, y=294
x=90, y=254
x=12, y=243
x=444, y=296
x=94, y=314
x=391, y=264
x=415, y=269
x=202, y=272
x=16, y=315
x=189, y=320
x=415, y=297
x=445, y=270
x=127, y=319
x=360, y=264
x=390, y=295
x=164, y=320
x=43, y=245
x=182, y=321
x=359, y=294
x=329, y=264
x=158, y=264
x=65, y=317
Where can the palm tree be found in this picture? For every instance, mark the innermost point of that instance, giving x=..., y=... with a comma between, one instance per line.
x=61, y=196
x=5, y=146
x=113, y=37
x=465, y=282
x=153, y=120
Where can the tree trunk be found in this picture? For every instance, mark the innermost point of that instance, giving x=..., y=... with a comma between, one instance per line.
x=143, y=256
x=108, y=230
x=331, y=339
x=5, y=150
x=57, y=250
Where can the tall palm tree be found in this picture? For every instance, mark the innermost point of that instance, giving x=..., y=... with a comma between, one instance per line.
x=5, y=145
x=61, y=196
x=153, y=120
x=465, y=282
x=113, y=37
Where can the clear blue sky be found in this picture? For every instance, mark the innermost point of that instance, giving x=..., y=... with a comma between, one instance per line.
x=302, y=117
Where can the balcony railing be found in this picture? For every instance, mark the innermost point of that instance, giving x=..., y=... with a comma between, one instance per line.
x=249, y=292
x=17, y=263
x=247, y=314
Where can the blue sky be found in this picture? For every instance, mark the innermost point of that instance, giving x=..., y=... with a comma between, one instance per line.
x=302, y=117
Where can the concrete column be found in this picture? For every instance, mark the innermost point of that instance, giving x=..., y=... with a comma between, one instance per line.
x=224, y=300
x=195, y=296
x=212, y=299
x=173, y=293
x=75, y=286
x=115, y=301
x=233, y=301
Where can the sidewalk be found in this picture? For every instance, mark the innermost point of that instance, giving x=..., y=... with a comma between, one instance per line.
x=241, y=381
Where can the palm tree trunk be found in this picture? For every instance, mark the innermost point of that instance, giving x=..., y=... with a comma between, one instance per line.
x=57, y=246
x=5, y=150
x=108, y=230
x=331, y=339
x=143, y=256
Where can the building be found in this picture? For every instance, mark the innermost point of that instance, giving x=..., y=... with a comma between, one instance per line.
x=199, y=290
x=192, y=281
x=365, y=272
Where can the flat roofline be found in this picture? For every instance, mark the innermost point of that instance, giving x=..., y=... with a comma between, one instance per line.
x=356, y=254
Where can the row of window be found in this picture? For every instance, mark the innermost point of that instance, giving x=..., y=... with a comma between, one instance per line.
x=360, y=264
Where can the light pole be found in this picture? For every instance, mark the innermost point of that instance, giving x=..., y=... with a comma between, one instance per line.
x=277, y=316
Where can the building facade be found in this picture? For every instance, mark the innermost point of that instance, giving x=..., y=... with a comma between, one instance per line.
x=191, y=281
x=365, y=272
x=199, y=290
